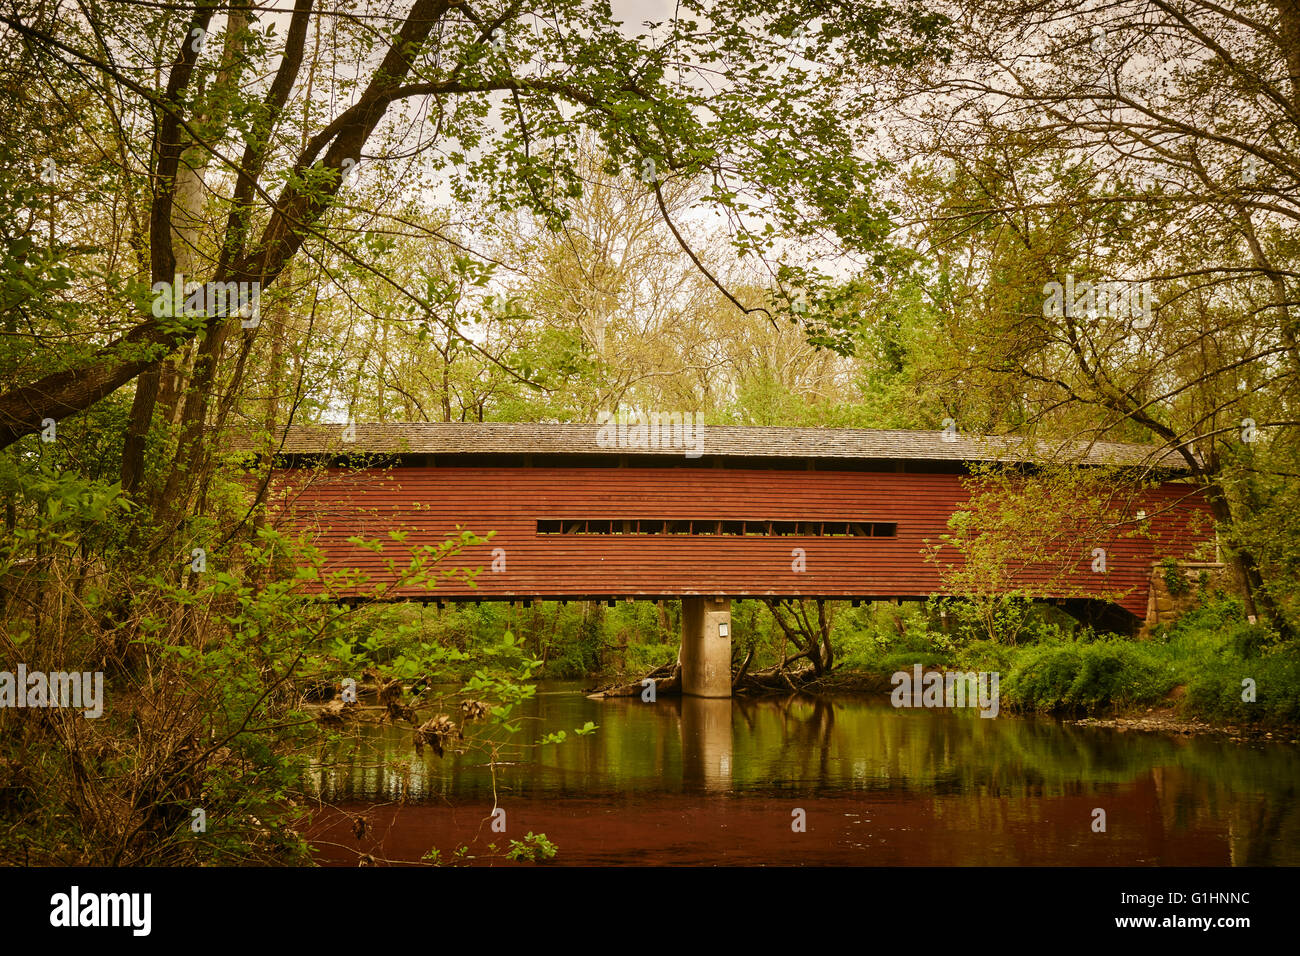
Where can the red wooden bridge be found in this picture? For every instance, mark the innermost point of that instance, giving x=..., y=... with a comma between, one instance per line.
x=582, y=512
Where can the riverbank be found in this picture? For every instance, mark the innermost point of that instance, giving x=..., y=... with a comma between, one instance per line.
x=1164, y=717
x=1214, y=672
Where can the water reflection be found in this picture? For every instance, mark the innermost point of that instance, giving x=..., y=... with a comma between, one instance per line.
x=880, y=785
x=706, y=743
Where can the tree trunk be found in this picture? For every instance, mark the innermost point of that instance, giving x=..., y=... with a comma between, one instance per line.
x=296, y=211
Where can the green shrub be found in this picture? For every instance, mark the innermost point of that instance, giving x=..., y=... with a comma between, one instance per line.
x=1042, y=677
x=533, y=848
x=1086, y=676
x=1215, y=689
x=904, y=660
x=1218, y=612
x=990, y=656
x=643, y=658
x=1119, y=672
x=1248, y=640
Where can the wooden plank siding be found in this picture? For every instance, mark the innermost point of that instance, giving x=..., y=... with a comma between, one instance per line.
x=332, y=504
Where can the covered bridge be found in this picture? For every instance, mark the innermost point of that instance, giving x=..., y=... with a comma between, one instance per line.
x=693, y=512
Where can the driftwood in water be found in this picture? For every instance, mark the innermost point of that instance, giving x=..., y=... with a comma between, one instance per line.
x=668, y=680
x=778, y=679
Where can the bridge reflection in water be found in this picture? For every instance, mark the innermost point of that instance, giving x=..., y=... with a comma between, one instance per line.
x=715, y=781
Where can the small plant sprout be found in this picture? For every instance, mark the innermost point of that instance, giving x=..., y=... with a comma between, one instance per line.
x=533, y=848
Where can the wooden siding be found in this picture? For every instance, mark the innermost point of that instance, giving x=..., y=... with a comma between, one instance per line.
x=429, y=503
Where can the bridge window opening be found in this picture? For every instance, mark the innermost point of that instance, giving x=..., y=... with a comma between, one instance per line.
x=715, y=526
x=876, y=529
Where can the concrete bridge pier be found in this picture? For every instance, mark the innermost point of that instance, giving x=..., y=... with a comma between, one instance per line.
x=706, y=646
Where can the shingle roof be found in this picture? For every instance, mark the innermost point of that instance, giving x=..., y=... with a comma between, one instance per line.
x=712, y=441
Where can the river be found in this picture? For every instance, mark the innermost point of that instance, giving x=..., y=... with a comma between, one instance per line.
x=805, y=781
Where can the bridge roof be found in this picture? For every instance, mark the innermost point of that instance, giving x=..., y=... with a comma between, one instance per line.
x=714, y=441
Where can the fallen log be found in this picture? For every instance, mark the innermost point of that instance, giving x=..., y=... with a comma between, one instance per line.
x=668, y=680
x=779, y=679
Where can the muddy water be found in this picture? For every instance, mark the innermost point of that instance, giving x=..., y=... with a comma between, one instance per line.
x=688, y=781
